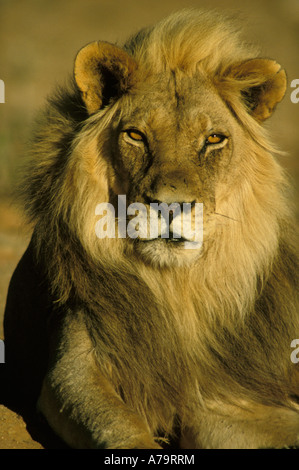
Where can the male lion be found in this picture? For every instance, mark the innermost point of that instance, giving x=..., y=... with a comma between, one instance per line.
x=131, y=342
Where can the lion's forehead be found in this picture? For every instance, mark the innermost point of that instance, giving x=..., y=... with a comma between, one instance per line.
x=188, y=103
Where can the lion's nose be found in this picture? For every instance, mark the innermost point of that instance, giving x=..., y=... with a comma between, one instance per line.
x=173, y=187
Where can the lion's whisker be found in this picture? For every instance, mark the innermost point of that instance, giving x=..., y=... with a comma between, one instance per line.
x=226, y=216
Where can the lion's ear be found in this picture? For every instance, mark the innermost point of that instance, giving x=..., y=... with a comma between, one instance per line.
x=102, y=71
x=263, y=84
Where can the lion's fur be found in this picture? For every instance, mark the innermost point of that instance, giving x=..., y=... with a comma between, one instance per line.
x=218, y=330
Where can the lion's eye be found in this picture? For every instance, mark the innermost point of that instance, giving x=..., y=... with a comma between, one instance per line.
x=135, y=135
x=215, y=139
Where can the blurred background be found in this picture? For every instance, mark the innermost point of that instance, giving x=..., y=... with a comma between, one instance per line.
x=38, y=43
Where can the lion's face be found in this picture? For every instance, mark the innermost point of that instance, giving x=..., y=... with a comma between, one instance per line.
x=173, y=144
x=178, y=136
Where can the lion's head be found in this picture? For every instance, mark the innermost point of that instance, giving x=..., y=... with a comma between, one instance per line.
x=186, y=125
x=175, y=116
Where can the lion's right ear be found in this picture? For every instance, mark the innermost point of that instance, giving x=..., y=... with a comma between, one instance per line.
x=262, y=83
x=102, y=71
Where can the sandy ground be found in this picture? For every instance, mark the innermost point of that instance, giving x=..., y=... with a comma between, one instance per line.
x=38, y=40
x=13, y=432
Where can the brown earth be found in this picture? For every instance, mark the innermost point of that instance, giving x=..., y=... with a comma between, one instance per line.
x=13, y=432
x=38, y=41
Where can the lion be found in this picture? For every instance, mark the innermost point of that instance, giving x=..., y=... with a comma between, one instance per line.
x=135, y=343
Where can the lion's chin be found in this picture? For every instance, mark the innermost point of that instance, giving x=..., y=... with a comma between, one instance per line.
x=162, y=253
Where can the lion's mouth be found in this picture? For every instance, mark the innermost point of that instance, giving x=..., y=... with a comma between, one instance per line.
x=160, y=224
x=174, y=241
x=171, y=241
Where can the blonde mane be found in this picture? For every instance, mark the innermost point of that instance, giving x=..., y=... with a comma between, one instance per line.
x=187, y=40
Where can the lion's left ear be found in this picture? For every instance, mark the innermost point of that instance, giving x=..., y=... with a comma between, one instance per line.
x=102, y=71
x=262, y=83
